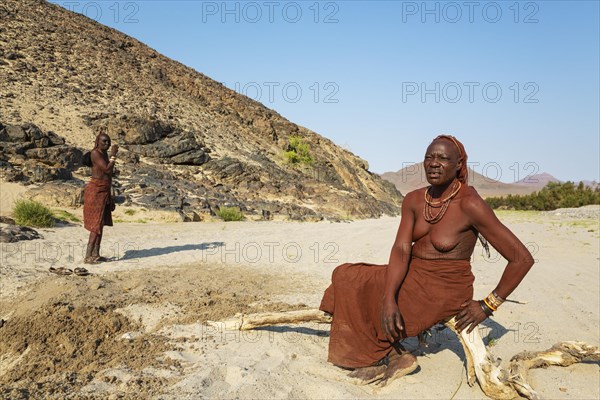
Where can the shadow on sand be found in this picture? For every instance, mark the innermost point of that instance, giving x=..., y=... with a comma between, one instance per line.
x=159, y=251
x=443, y=338
x=292, y=333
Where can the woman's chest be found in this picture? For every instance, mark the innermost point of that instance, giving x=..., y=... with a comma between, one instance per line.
x=448, y=232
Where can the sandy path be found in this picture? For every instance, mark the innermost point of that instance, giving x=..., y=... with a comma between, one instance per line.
x=561, y=291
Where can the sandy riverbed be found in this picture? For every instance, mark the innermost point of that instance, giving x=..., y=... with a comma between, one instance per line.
x=134, y=327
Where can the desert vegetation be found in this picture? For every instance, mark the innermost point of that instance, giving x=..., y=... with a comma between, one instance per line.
x=32, y=213
x=552, y=196
x=230, y=214
x=298, y=151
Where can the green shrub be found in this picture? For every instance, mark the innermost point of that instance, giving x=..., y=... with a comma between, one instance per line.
x=298, y=152
x=129, y=211
x=32, y=213
x=552, y=196
x=65, y=216
x=291, y=157
x=230, y=214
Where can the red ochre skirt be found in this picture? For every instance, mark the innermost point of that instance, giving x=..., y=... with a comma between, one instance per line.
x=432, y=291
x=96, y=205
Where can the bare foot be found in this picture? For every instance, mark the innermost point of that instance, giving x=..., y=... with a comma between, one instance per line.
x=366, y=375
x=400, y=364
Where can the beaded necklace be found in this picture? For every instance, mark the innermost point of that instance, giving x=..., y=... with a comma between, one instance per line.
x=441, y=204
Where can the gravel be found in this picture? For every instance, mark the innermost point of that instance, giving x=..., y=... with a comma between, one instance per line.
x=585, y=212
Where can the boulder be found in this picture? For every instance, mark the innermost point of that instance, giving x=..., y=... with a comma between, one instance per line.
x=62, y=155
x=15, y=148
x=182, y=148
x=194, y=157
x=54, y=139
x=10, y=174
x=58, y=194
x=14, y=233
x=34, y=156
x=14, y=133
x=38, y=172
x=7, y=220
x=138, y=130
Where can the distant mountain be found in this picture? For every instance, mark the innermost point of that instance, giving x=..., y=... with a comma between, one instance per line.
x=187, y=142
x=541, y=180
x=537, y=180
x=413, y=177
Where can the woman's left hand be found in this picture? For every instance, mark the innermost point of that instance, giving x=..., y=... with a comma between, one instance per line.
x=470, y=316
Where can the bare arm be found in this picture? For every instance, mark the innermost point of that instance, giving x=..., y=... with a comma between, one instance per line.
x=508, y=245
x=100, y=163
x=396, y=270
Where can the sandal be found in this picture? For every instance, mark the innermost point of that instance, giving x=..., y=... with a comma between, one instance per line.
x=81, y=271
x=60, y=271
x=102, y=259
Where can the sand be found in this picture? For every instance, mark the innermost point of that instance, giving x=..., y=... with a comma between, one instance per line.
x=10, y=192
x=137, y=326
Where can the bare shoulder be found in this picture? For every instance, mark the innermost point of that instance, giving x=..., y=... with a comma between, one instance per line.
x=471, y=200
x=410, y=201
x=416, y=193
x=96, y=153
x=412, y=197
x=475, y=206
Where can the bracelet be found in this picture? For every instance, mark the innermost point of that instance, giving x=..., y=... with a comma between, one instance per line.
x=113, y=158
x=498, y=297
x=486, y=310
x=487, y=303
x=494, y=301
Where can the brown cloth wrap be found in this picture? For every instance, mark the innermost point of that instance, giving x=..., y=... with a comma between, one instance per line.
x=96, y=205
x=432, y=291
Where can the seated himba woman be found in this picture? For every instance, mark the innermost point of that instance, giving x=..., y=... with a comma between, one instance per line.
x=428, y=278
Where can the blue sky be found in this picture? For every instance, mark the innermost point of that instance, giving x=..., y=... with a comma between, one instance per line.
x=516, y=82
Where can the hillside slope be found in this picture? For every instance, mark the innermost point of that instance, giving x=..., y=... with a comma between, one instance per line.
x=188, y=141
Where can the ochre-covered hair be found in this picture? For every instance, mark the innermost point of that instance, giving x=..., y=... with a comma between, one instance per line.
x=97, y=141
x=463, y=173
x=463, y=177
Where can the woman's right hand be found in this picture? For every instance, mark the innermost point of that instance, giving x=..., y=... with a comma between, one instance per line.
x=114, y=149
x=391, y=321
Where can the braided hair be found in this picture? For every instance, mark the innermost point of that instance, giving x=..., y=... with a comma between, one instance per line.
x=463, y=173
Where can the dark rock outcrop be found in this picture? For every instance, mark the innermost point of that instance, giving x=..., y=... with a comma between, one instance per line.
x=182, y=148
x=14, y=233
x=29, y=155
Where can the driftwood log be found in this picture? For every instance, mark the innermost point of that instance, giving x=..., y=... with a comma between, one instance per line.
x=481, y=365
x=561, y=354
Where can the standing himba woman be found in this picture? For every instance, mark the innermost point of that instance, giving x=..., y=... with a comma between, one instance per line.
x=98, y=202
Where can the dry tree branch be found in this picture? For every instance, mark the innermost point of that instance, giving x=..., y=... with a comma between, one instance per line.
x=481, y=365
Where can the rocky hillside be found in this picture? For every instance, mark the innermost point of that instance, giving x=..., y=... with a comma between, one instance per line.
x=188, y=143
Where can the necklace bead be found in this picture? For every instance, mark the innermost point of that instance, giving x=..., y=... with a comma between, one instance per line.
x=442, y=204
